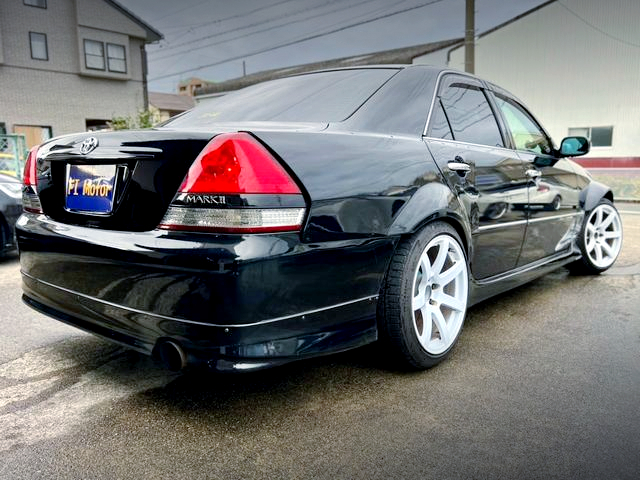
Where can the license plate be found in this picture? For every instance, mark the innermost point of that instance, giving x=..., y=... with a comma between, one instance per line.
x=90, y=188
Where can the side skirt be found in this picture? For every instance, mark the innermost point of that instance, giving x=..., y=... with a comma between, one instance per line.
x=481, y=290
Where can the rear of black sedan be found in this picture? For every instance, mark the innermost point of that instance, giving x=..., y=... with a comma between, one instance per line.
x=306, y=216
x=243, y=235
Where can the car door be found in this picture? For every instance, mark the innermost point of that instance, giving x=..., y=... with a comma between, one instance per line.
x=553, y=209
x=466, y=142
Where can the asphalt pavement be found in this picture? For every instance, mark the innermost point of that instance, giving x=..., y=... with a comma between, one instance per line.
x=544, y=383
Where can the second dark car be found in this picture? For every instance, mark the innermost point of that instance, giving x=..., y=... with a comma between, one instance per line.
x=306, y=216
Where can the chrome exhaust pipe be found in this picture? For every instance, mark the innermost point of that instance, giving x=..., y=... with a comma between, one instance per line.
x=171, y=355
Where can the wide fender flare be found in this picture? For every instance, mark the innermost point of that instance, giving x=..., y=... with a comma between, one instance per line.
x=431, y=202
x=592, y=194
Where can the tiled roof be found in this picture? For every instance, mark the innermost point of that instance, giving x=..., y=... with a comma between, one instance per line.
x=171, y=101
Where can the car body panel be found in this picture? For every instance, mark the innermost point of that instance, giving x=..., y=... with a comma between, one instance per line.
x=246, y=301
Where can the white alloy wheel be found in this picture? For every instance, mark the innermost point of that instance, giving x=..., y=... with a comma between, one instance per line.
x=603, y=236
x=439, y=300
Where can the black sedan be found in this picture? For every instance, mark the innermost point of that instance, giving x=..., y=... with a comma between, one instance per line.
x=10, y=210
x=308, y=215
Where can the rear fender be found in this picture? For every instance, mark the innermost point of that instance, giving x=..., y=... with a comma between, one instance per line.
x=431, y=202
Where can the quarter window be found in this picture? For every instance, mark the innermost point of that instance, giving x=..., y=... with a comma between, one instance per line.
x=599, y=136
x=440, y=127
x=116, y=59
x=527, y=134
x=38, y=43
x=470, y=116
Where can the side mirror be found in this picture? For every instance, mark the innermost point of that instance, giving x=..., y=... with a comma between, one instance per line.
x=574, y=147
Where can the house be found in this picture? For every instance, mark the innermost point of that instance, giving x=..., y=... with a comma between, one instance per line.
x=434, y=53
x=70, y=65
x=166, y=105
x=190, y=85
x=576, y=64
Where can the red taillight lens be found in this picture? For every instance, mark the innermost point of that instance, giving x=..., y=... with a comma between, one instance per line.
x=30, y=177
x=235, y=185
x=237, y=163
x=30, y=199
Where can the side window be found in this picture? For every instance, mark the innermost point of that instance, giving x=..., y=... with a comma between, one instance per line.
x=470, y=115
x=527, y=135
x=440, y=127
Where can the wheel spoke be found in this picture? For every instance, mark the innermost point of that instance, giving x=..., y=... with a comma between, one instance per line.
x=598, y=252
x=610, y=235
x=590, y=228
x=451, y=302
x=608, y=250
x=607, y=221
x=419, y=301
x=598, y=219
x=441, y=323
x=447, y=277
x=427, y=326
x=443, y=251
x=591, y=245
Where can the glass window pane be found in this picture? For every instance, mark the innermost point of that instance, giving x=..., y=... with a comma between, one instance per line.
x=470, y=116
x=115, y=51
x=316, y=97
x=527, y=135
x=601, y=136
x=94, y=54
x=439, y=124
x=38, y=46
x=116, y=59
x=579, y=132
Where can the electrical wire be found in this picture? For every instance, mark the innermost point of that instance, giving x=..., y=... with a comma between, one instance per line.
x=294, y=42
x=251, y=25
x=606, y=34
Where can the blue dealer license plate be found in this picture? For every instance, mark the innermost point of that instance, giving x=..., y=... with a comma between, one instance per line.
x=90, y=188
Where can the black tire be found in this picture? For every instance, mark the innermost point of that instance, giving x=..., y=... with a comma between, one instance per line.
x=589, y=263
x=403, y=331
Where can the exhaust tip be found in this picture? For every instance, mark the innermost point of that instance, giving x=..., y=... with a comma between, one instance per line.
x=171, y=355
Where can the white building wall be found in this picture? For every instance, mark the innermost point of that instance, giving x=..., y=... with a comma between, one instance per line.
x=60, y=93
x=571, y=72
x=438, y=58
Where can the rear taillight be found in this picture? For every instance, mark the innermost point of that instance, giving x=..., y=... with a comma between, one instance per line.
x=30, y=199
x=235, y=185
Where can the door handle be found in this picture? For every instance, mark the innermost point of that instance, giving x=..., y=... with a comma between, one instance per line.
x=459, y=166
x=533, y=174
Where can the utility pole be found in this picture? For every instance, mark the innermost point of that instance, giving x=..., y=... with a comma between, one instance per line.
x=469, y=37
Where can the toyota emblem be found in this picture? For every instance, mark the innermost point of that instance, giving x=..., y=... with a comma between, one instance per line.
x=88, y=145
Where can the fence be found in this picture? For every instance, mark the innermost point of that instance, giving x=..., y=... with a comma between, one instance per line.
x=13, y=154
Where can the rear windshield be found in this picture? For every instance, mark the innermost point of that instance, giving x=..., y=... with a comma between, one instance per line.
x=317, y=97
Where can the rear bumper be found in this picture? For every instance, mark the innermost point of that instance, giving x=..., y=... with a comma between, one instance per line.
x=236, y=302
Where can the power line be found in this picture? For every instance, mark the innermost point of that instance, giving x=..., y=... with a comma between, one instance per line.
x=606, y=34
x=267, y=29
x=231, y=17
x=293, y=42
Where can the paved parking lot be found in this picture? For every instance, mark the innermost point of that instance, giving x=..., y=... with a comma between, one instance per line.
x=545, y=383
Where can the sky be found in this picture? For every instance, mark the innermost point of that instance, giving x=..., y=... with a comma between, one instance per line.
x=210, y=39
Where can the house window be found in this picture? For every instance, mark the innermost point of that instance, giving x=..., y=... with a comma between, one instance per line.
x=38, y=43
x=94, y=55
x=116, y=58
x=112, y=58
x=34, y=134
x=36, y=3
x=3, y=128
x=599, y=136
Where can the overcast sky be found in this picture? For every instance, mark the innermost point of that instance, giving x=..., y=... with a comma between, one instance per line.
x=211, y=38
